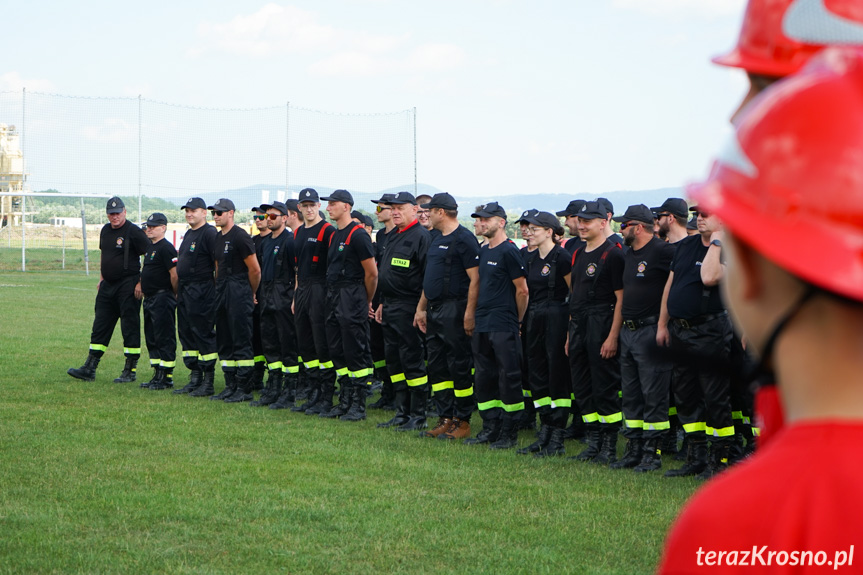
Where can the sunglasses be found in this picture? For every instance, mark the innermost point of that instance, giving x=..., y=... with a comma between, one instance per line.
x=273, y=216
x=217, y=212
x=259, y=218
x=702, y=214
x=625, y=225
x=382, y=208
x=662, y=215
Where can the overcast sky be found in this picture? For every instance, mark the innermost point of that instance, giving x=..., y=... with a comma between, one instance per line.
x=578, y=96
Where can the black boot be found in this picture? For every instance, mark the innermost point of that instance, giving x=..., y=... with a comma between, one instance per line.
x=718, y=460
x=668, y=443
x=387, y=398
x=272, y=390
x=632, y=454
x=157, y=373
x=608, y=448
x=87, y=372
x=257, y=382
x=683, y=452
x=326, y=388
x=243, y=390
x=651, y=459
x=403, y=406
x=542, y=438
x=488, y=434
x=527, y=417
x=128, y=373
x=230, y=386
x=206, y=387
x=313, y=396
x=345, y=399
x=303, y=383
x=696, y=457
x=507, y=438
x=166, y=381
x=286, y=399
x=417, y=416
x=357, y=411
x=554, y=447
x=196, y=376
x=577, y=430
x=593, y=441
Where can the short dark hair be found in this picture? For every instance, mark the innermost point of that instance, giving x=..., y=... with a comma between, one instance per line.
x=451, y=213
x=681, y=220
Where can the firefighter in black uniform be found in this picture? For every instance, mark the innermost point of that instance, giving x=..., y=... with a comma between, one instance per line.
x=119, y=293
x=195, y=298
x=159, y=286
x=594, y=328
x=645, y=377
x=447, y=315
x=352, y=278
x=278, y=335
x=376, y=334
x=259, y=217
x=401, y=284
x=311, y=241
x=237, y=277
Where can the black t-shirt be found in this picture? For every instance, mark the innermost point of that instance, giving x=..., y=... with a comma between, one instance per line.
x=112, y=243
x=404, y=263
x=231, y=251
x=277, y=257
x=644, y=277
x=496, y=309
x=381, y=243
x=158, y=261
x=307, y=248
x=586, y=265
x=573, y=244
x=617, y=240
x=462, y=249
x=196, y=254
x=686, y=298
x=348, y=247
x=557, y=264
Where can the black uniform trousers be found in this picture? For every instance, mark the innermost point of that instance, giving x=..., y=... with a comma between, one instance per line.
x=116, y=301
x=278, y=333
x=703, y=394
x=403, y=345
x=497, y=378
x=160, y=328
x=645, y=380
x=742, y=396
x=234, y=307
x=348, y=329
x=449, y=358
x=595, y=381
x=549, y=378
x=257, y=346
x=310, y=319
x=195, y=320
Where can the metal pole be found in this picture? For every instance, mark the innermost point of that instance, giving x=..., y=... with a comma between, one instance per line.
x=139, y=159
x=287, y=148
x=415, y=151
x=23, y=235
x=24, y=170
x=84, y=232
x=64, y=247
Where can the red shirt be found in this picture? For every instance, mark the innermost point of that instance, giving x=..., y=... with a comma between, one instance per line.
x=798, y=498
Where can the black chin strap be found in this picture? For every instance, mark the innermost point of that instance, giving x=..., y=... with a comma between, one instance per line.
x=761, y=374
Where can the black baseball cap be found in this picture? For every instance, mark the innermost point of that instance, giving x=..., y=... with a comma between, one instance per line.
x=195, y=203
x=527, y=214
x=692, y=224
x=403, y=198
x=340, y=196
x=156, y=219
x=544, y=220
x=279, y=206
x=606, y=204
x=115, y=206
x=308, y=195
x=367, y=220
x=674, y=206
x=571, y=209
x=222, y=205
x=490, y=210
x=385, y=199
x=356, y=214
x=442, y=200
x=292, y=205
x=592, y=211
x=638, y=212
x=258, y=209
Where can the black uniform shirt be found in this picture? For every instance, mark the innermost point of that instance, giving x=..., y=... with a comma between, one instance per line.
x=307, y=248
x=644, y=276
x=496, y=308
x=158, y=261
x=231, y=251
x=686, y=298
x=462, y=249
x=381, y=243
x=196, y=254
x=617, y=240
x=277, y=257
x=344, y=255
x=539, y=274
x=584, y=276
x=404, y=263
x=112, y=243
x=573, y=244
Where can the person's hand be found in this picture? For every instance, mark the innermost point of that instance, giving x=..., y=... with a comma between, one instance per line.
x=663, y=338
x=138, y=293
x=371, y=311
x=469, y=324
x=420, y=320
x=609, y=348
x=379, y=314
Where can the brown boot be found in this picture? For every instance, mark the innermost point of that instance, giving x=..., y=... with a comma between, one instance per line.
x=443, y=425
x=458, y=429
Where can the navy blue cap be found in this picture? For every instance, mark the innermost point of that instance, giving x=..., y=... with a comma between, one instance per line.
x=259, y=209
x=223, y=205
x=293, y=205
x=340, y=196
x=571, y=209
x=674, y=206
x=605, y=204
x=278, y=206
x=490, y=210
x=527, y=214
x=115, y=206
x=545, y=220
x=442, y=200
x=592, y=211
x=385, y=199
x=195, y=203
x=156, y=219
x=403, y=198
x=638, y=213
x=308, y=195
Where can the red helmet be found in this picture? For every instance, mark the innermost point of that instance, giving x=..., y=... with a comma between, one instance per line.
x=779, y=36
x=790, y=184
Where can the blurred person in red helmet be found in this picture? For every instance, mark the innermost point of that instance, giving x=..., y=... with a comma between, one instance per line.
x=795, y=163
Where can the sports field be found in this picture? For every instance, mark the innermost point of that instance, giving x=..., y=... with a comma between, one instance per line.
x=108, y=478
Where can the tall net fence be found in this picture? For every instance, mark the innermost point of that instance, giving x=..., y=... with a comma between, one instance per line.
x=156, y=155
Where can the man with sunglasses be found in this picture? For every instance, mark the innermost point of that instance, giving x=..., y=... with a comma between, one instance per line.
x=694, y=323
x=311, y=241
x=672, y=217
x=259, y=218
x=238, y=274
x=570, y=222
x=384, y=214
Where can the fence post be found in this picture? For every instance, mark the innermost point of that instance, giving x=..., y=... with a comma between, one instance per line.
x=140, y=219
x=415, y=151
x=287, y=148
x=84, y=232
x=64, y=247
x=24, y=169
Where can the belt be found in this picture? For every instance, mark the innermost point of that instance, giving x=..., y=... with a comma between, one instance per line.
x=634, y=324
x=697, y=320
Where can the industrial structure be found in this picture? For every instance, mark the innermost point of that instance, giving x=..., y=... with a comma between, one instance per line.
x=12, y=176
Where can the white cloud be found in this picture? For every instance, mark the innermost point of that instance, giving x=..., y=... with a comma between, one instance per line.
x=703, y=7
x=111, y=131
x=13, y=81
x=356, y=63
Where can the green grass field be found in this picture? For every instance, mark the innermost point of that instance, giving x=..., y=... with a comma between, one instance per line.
x=108, y=478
